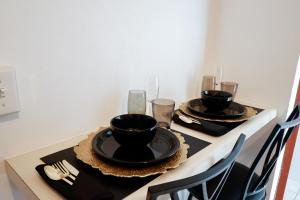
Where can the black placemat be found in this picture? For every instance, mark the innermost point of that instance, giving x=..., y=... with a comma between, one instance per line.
x=119, y=187
x=94, y=190
x=210, y=127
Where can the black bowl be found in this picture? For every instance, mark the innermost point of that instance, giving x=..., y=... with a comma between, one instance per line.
x=133, y=130
x=215, y=100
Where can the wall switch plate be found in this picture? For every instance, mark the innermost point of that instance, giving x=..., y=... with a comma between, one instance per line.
x=9, y=99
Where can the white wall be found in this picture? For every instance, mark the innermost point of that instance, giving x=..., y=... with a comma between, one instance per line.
x=258, y=44
x=76, y=61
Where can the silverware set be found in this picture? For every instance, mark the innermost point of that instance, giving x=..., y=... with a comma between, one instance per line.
x=187, y=119
x=61, y=170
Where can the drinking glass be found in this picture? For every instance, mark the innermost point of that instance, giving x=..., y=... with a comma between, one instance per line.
x=163, y=110
x=208, y=83
x=136, y=102
x=152, y=87
x=219, y=76
x=230, y=87
x=152, y=90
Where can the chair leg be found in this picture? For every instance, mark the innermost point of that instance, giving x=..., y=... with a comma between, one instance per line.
x=265, y=196
x=174, y=196
x=190, y=196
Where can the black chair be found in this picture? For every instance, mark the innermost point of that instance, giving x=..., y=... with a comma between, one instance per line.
x=243, y=183
x=221, y=170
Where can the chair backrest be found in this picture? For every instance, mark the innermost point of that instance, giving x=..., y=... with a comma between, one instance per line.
x=224, y=166
x=271, y=150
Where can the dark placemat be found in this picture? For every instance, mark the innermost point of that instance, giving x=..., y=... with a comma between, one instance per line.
x=119, y=187
x=210, y=127
x=94, y=190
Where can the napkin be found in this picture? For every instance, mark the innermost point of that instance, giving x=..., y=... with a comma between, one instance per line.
x=83, y=188
x=208, y=127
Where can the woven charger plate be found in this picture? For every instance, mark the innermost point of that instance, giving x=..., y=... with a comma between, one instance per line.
x=85, y=153
x=249, y=112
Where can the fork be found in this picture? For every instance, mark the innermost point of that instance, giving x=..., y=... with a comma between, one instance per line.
x=187, y=119
x=59, y=166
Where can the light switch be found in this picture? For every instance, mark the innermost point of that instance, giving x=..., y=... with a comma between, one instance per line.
x=9, y=100
x=2, y=92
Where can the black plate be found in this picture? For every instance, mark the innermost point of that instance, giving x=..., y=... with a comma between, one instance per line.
x=164, y=145
x=235, y=110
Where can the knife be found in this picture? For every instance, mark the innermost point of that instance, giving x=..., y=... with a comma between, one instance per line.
x=70, y=167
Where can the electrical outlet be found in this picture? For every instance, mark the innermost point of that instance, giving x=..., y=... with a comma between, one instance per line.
x=9, y=100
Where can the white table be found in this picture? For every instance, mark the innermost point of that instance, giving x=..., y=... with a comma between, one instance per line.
x=21, y=169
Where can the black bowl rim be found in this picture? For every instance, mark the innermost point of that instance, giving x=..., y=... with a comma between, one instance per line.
x=226, y=94
x=115, y=128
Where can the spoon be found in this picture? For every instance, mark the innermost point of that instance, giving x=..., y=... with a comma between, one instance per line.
x=56, y=175
x=188, y=120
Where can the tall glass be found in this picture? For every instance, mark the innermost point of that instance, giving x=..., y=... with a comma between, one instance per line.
x=152, y=90
x=136, y=102
x=152, y=87
x=219, y=76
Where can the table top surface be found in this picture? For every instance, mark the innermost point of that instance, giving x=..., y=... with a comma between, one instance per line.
x=21, y=169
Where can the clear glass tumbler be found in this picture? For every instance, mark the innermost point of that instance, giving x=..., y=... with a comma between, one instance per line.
x=163, y=110
x=136, y=102
x=230, y=87
x=208, y=83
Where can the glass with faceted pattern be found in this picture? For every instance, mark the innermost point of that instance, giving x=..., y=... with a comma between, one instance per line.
x=136, y=102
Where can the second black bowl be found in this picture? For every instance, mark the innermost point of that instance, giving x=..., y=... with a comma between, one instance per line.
x=133, y=129
x=215, y=100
